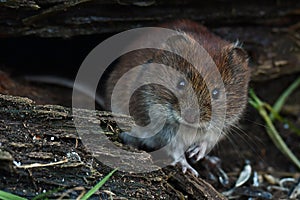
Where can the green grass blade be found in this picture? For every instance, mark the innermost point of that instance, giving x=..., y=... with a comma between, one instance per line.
x=278, y=117
x=280, y=101
x=97, y=186
x=270, y=128
x=9, y=196
x=277, y=139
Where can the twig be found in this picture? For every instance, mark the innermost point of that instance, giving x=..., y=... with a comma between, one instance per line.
x=42, y=165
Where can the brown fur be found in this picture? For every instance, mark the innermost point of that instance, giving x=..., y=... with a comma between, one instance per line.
x=231, y=61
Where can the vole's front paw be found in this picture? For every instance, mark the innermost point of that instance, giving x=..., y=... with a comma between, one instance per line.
x=197, y=151
x=185, y=166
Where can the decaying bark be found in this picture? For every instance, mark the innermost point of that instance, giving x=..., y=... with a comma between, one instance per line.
x=55, y=18
x=268, y=30
x=44, y=146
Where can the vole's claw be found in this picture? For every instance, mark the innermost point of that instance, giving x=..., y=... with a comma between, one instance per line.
x=193, y=151
x=186, y=166
x=191, y=169
x=197, y=151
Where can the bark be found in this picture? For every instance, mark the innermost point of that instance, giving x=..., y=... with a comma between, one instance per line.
x=33, y=136
x=268, y=30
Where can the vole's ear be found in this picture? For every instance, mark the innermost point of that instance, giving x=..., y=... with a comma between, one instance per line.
x=236, y=55
x=236, y=63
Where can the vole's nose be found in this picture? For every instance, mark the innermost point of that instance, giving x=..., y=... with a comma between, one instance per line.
x=190, y=115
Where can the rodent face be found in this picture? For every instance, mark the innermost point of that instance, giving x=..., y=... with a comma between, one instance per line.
x=176, y=99
x=176, y=90
x=232, y=64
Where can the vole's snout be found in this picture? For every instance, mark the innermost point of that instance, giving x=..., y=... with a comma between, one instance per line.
x=190, y=116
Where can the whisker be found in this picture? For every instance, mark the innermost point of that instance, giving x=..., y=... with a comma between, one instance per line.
x=234, y=135
x=255, y=123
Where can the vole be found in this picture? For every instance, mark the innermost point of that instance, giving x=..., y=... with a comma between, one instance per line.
x=187, y=132
x=196, y=110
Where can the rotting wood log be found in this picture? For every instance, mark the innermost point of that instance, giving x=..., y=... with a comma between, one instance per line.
x=55, y=18
x=268, y=30
x=33, y=136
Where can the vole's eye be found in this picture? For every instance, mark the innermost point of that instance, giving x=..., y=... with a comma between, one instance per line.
x=149, y=61
x=181, y=84
x=215, y=93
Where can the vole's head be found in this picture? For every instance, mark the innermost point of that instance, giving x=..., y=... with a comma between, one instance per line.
x=194, y=95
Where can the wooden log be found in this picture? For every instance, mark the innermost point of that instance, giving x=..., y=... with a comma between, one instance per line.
x=44, y=146
x=268, y=30
x=55, y=18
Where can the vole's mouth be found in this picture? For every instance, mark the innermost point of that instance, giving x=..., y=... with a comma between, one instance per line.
x=196, y=124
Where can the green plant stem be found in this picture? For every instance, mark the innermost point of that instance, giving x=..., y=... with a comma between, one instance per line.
x=97, y=186
x=281, y=100
x=271, y=130
x=9, y=196
x=277, y=139
x=278, y=117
